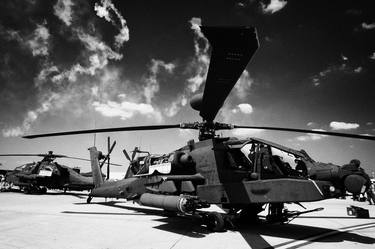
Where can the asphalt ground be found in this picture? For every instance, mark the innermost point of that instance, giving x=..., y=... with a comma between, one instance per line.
x=58, y=220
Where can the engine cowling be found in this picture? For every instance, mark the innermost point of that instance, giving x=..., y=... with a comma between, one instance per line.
x=196, y=101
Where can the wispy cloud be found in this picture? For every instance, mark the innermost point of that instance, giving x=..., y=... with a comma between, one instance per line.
x=240, y=132
x=36, y=42
x=310, y=136
x=63, y=10
x=243, y=85
x=343, y=126
x=334, y=68
x=56, y=83
x=368, y=26
x=39, y=42
x=273, y=6
x=30, y=117
x=106, y=10
x=152, y=82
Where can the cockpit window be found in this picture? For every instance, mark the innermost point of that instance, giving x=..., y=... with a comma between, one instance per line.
x=243, y=158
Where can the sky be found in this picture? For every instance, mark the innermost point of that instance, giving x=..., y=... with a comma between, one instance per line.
x=80, y=64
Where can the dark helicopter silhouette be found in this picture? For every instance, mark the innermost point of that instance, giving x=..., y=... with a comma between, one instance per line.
x=37, y=177
x=242, y=175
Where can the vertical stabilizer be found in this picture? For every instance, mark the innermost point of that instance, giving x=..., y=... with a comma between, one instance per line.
x=96, y=172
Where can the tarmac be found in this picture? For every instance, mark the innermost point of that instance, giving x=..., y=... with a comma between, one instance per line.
x=58, y=220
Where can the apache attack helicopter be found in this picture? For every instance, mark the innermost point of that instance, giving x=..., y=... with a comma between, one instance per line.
x=37, y=177
x=242, y=176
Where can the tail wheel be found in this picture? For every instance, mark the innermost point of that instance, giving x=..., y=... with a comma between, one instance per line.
x=215, y=222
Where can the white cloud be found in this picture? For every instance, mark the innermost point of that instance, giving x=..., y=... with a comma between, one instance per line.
x=334, y=68
x=368, y=26
x=125, y=110
x=358, y=69
x=369, y=123
x=199, y=65
x=344, y=58
x=311, y=124
x=243, y=85
x=273, y=6
x=104, y=11
x=244, y=108
x=372, y=57
x=30, y=117
x=343, y=126
x=310, y=136
x=99, y=55
x=241, y=132
x=152, y=83
x=39, y=43
x=63, y=10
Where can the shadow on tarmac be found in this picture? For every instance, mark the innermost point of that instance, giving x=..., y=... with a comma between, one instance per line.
x=253, y=233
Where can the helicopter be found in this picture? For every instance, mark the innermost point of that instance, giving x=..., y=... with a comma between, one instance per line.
x=37, y=177
x=242, y=175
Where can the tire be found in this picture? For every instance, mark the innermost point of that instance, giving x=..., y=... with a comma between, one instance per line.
x=89, y=199
x=215, y=222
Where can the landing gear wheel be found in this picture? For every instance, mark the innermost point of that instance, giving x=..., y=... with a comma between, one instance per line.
x=215, y=222
x=43, y=190
x=89, y=199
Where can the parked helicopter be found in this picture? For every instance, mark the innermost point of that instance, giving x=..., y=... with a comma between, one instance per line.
x=243, y=176
x=37, y=177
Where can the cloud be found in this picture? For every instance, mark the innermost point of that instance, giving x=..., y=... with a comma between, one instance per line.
x=310, y=136
x=55, y=83
x=244, y=108
x=273, y=6
x=344, y=58
x=125, y=110
x=368, y=26
x=372, y=57
x=38, y=44
x=243, y=85
x=63, y=10
x=98, y=54
x=199, y=64
x=334, y=68
x=104, y=11
x=241, y=132
x=30, y=117
x=358, y=69
x=196, y=68
x=311, y=124
x=152, y=83
x=343, y=126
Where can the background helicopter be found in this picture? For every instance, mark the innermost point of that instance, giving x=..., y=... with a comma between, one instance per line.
x=37, y=177
x=241, y=175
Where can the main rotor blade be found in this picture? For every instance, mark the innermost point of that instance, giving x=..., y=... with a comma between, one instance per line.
x=55, y=156
x=128, y=128
x=39, y=155
x=328, y=133
x=126, y=154
x=232, y=49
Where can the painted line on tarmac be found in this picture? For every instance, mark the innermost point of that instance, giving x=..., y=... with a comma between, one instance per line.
x=309, y=240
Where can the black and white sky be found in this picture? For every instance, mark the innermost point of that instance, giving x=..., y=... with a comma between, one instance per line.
x=80, y=64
